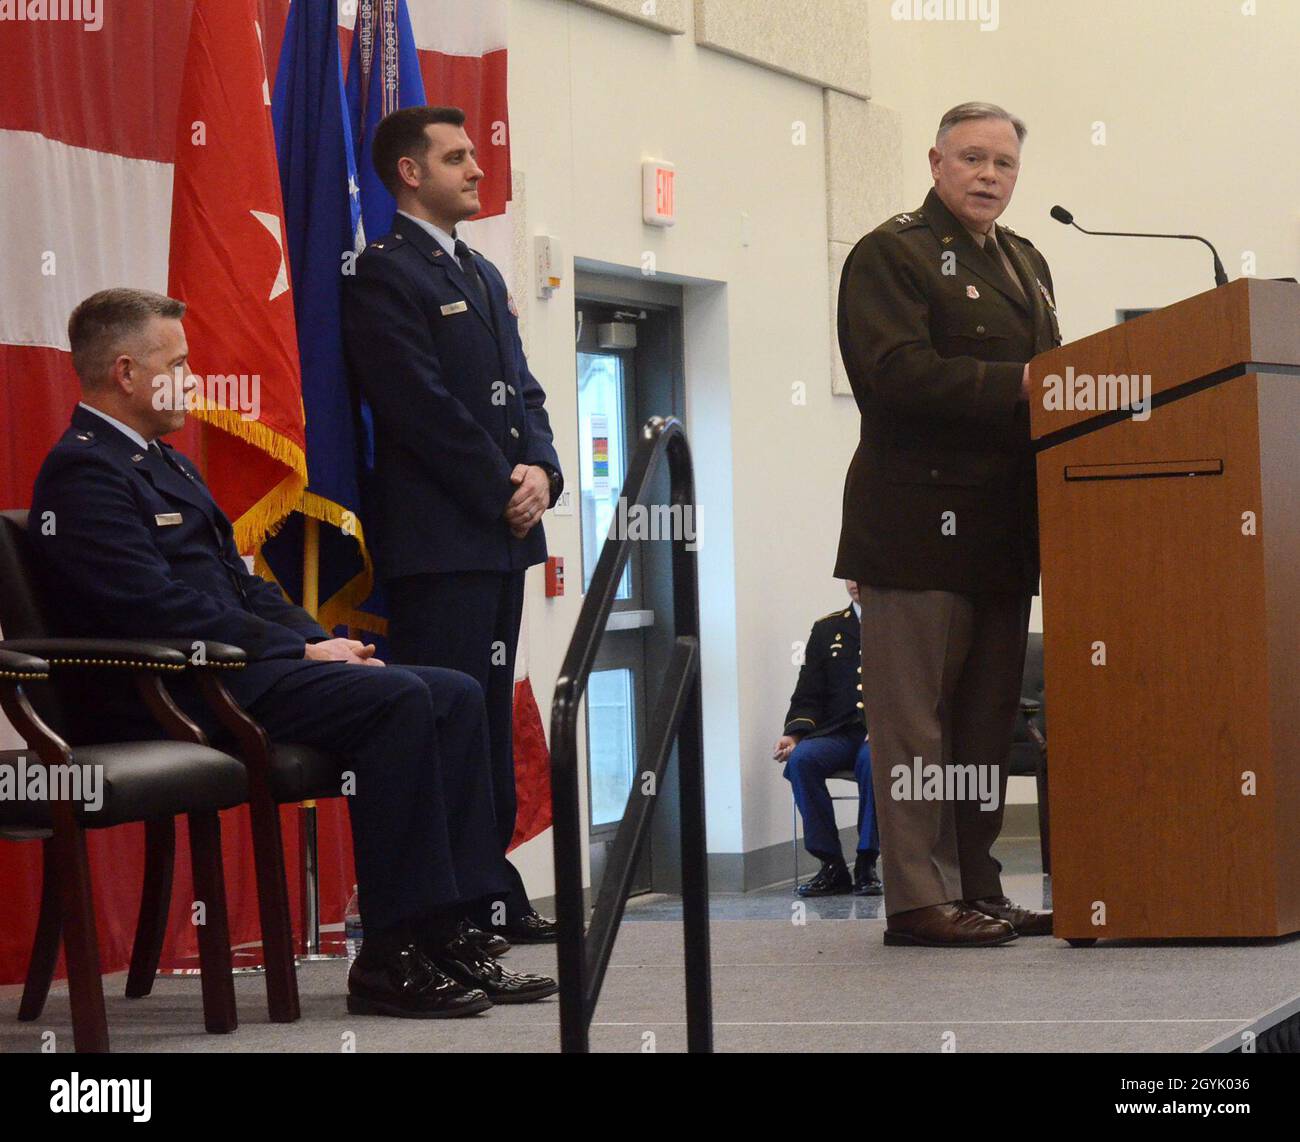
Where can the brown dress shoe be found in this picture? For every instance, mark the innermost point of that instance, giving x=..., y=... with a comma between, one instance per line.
x=1026, y=921
x=951, y=925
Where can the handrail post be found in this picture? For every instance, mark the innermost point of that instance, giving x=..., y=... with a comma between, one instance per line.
x=690, y=763
x=580, y=980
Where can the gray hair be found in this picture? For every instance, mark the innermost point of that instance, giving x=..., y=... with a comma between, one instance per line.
x=966, y=111
x=101, y=325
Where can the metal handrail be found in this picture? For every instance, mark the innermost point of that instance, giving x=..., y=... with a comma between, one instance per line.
x=583, y=957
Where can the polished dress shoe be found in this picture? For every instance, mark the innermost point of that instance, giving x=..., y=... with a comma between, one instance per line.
x=489, y=943
x=467, y=965
x=404, y=983
x=951, y=925
x=865, y=880
x=530, y=928
x=1026, y=921
x=832, y=879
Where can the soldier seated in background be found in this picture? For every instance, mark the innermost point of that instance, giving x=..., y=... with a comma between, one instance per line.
x=826, y=732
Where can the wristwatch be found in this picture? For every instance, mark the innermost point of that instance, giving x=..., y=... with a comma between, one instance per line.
x=556, y=481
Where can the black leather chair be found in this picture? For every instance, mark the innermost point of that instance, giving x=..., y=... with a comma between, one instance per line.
x=277, y=774
x=1028, y=756
x=145, y=781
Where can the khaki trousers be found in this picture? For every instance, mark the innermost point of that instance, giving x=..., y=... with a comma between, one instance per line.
x=941, y=680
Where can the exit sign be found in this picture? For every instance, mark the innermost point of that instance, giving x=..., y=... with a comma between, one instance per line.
x=658, y=187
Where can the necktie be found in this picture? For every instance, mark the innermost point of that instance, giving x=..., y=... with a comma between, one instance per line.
x=994, y=251
x=158, y=450
x=469, y=264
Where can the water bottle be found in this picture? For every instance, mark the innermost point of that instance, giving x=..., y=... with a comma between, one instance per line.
x=352, y=926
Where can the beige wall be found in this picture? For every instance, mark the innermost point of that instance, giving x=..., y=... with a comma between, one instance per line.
x=591, y=95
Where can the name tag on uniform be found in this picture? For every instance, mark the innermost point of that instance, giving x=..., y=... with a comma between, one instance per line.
x=455, y=307
x=167, y=519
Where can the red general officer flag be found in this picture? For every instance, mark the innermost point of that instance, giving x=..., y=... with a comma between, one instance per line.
x=229, y=265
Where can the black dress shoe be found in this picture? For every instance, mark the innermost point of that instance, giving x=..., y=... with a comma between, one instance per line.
x=405, y=984
x=489, y=943
x=832, y=879
x=467, y=965
x=865, y=880
x=530, y=928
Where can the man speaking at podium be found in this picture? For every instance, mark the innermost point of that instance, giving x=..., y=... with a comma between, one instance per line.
x=940, y=309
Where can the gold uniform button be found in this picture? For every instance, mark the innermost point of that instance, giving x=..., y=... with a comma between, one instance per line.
x=859, y=685
x=979, y=329
x=859, y=705
x=515, y=433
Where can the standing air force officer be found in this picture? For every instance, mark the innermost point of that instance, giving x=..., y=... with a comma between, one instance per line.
x=464, y=464
x=940, y=310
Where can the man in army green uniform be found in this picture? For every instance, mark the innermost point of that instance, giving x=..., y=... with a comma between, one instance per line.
x=940, y=310
x=826, y=733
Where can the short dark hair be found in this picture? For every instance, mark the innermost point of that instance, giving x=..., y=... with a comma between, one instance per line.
x=100, y=324
x=401, y=136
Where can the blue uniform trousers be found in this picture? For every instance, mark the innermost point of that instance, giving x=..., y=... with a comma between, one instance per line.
x=469, y=621
x=811, y=762
x=423, y=829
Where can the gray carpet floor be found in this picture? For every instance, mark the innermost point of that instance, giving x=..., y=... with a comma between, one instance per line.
x=826, y=985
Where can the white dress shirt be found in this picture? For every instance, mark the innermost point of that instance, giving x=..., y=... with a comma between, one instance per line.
x=124, y=429
x=445, y=240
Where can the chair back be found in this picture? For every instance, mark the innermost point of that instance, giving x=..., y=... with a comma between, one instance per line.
x=23, y=610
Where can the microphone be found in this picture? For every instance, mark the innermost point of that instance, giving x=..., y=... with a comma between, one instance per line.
x=1066, y=218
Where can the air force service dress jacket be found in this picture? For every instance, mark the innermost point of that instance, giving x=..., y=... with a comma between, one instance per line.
x=455, y=408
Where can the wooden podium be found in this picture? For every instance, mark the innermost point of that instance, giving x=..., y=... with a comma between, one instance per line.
x=1171, y=546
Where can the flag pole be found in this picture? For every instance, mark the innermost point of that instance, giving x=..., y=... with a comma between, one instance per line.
x=307, y=817
x=310, y=565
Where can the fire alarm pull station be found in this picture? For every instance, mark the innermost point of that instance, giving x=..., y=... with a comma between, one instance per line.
x=554, y=576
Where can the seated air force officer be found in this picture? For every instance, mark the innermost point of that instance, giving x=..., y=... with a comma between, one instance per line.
x=825, y=732
x=134, y=546
x=464, y=464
